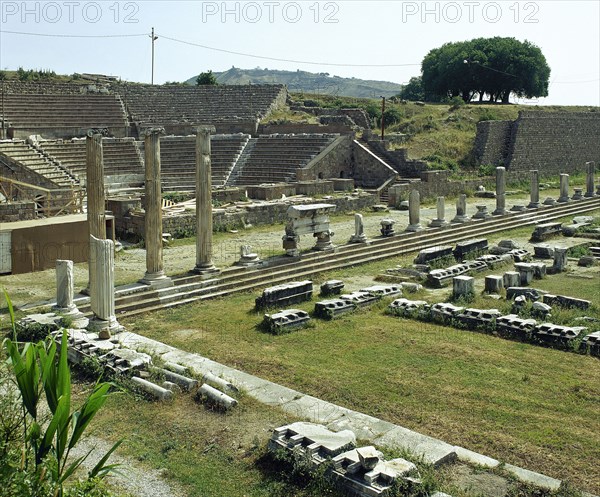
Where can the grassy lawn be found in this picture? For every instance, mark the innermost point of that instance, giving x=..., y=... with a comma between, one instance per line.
x=527, y=405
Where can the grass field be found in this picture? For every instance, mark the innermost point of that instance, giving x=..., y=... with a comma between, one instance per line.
x=527, y=405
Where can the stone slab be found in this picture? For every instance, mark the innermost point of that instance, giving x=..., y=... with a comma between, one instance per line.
x=315, y=410
x=432, y=450
x=468, y=456
x=532, y=477
x=364, y=426
x=274, y=395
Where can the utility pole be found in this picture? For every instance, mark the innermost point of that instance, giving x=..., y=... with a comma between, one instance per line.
x=382, y=118
x=154, y=38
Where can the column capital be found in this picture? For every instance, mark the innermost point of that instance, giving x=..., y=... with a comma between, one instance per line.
x=205, y=130
x=158, y=130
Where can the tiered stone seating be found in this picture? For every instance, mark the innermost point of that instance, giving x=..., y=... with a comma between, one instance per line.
x=161, y=105
x=178, y=160
x=121, y=156
x=57, y=115
x=28, y=157
x=275, y=158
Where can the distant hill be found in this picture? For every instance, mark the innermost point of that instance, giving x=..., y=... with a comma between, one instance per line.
x=297, y=81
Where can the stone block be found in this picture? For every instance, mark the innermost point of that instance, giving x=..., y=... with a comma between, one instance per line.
x=332, y=287
x=511, y=278
x=463, y=286
x=565, y=301
x=466, y=249
x=284, y=294
x=383, y=290
x=543, y=252
x=493, y=284
x=407, y=308
x=513, y=327
x=328, y=309
x=285, y=320
x=433, y=253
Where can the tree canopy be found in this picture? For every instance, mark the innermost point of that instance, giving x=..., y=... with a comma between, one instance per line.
x=495, y=67
x=206, y=78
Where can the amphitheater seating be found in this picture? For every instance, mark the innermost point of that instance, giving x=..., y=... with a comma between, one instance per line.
x=121, y=156
x=162, y=105
x=275, y=158
x=58, y=115
x=30, y=158
x=178, y=160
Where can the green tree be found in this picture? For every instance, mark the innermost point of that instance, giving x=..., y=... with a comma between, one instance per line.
x=413, y=90
x=206, y=78
x=496, y=67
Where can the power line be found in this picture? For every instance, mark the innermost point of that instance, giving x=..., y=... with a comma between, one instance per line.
x=54, y=35
x=279, y=59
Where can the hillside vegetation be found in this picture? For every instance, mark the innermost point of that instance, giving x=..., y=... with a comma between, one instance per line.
x=442, y=134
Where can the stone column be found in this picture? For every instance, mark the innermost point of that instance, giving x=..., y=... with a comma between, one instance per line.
x=204, y=264
x=96, y=208
x=155, y=274
x=590, y=168
x=564, y=188
x=461, y=209
x=65, y=290
x=534, y=195
x=500, y=191
x=359, y=230
x=440, y=222
x=414, y=211
x=102, y=287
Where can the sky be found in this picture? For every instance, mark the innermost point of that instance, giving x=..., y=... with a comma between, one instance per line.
x=381, y=40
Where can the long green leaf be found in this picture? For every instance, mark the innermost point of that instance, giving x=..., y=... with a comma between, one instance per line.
x=11, y=313
x=83, y=417
x=100, y=469
x=72, y=467
x=49, y=373
x=26, y=372
x=59, y=422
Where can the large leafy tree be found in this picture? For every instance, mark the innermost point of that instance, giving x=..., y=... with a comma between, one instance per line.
x=496, y=67
x=206, y=78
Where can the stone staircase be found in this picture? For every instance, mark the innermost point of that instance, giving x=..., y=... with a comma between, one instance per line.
x=35, y=160
x=238, y=168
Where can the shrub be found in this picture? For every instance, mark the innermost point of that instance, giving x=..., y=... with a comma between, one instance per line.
x=456, y=102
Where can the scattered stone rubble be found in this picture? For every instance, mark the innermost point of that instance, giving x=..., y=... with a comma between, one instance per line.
x=287, y=293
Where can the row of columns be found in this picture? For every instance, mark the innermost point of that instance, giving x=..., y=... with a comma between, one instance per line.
x=101, y=251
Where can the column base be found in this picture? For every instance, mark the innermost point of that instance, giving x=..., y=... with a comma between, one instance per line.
x=589, y=195
x=206, y=270
x=534, y=205
x=324, y=247
x=439, y=223
x=74, y=319
x=359, y=239
x=104, y=328
x=500, y=212
x=461, y=219
x=157, y=280
x=563, y=200
x=413, y=228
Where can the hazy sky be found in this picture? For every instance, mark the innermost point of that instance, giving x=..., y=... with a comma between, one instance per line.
x=341, y=38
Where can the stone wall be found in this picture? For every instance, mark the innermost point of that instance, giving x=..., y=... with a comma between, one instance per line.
x=368, y=170
x=334, y=162
x=491, y=142
x=552, y=142
x=17, y=211
x=433, y=189
x=296, y=128
x=223, y=219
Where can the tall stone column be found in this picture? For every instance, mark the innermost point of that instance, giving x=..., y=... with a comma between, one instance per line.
x=102, y=287
x=534, y=195
x=461, y=209
x=564, y=188
x=414, y=211
x=590, y=169
x=155, y=274
x=500, y=191
x=96, y=208
x=204, y=263
x=440, y=222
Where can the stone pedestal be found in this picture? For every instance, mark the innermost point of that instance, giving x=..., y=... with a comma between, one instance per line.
x=500, y=192
x=560, y=259
x=65, y=291
x=102, y=291
x=387, y=227
x=324, y=242
x=564, y=188
x=482, y=212
x=578, y=194
x=204, y=263
x=534, y=194
x=359, y=230
x=414, y=212
x=440, y=222
x=291, y=245
x=155, y=274
x=511, y=279
x=247, y=257
x=461, y=210
x=463, y=286
x=590, y=168
x=550, y=201
x=493, y=284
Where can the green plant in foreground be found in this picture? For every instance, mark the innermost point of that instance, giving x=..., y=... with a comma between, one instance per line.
x=41, y=369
